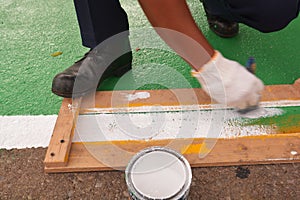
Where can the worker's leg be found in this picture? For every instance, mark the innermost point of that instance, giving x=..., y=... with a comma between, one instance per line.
x=98, y=20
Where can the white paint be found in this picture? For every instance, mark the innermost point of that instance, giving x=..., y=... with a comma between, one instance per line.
x=159, y=123
x=264, y=104
x=137, y=95
x=294, y=153
x=279, y=159
x=167, y=125
x=158, y=175
x=70, y=106
x=261, y=112
x=280, y=103
x=26, y=131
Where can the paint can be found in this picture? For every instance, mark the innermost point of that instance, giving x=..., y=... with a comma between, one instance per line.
x=158, y=173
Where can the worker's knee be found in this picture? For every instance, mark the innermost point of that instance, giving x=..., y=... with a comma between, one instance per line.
x=265, y=16
x=271, y=24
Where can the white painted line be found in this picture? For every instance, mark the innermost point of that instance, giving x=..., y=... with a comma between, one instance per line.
x=168, y=125
x=26, y=131
x=135, y=123
x=198, y=107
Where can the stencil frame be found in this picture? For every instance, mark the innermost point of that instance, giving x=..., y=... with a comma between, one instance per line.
x=65, y=156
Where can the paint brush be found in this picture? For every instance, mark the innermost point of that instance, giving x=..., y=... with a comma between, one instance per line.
x=251, y=67
x=248, y=109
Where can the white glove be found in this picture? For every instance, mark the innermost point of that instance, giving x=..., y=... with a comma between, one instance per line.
x=229, y=83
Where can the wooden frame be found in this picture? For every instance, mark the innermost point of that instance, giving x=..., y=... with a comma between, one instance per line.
x=64, y=156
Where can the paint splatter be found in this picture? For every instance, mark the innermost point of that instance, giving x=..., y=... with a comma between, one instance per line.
x=138, y=95
x=294, y=153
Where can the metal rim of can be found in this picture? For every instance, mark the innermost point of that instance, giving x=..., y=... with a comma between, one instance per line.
x=135, y=194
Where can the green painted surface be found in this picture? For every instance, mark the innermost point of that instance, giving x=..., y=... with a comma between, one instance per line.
x=32, y=30
x=288, y=122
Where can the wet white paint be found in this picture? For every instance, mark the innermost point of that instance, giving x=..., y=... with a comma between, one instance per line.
x=168, y=125
x=158, y=175
x=265, y=104
x=261, y=112
x=137, y=95
x=171, y=122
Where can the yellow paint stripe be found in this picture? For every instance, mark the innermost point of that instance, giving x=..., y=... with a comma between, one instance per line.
x=192, y=148
x=195, y=149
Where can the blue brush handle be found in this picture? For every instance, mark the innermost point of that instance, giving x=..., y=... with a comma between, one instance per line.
x=251, y=65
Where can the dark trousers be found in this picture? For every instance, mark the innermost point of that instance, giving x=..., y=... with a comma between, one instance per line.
x=99, y=20
x=263, y=15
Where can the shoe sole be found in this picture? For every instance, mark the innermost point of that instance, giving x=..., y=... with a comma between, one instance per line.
x=224, y=36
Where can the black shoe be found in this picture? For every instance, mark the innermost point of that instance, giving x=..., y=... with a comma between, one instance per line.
x=89, y=78
x=221, y=26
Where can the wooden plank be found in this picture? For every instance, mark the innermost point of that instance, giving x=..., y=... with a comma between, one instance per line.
x=280, y=92
x=60, y=144
x=297, y=86
x=108, y=99
x=267, y=149
x=236, y=151
x=174, y=97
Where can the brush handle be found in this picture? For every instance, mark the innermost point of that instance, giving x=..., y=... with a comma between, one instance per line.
x=251, y=65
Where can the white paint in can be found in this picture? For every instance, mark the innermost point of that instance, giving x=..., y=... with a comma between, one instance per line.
x=158, y=173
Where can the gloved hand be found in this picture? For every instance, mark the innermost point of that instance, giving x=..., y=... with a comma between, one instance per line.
x=229, y=83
